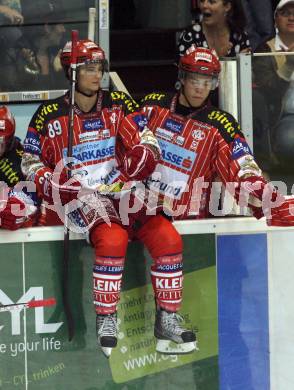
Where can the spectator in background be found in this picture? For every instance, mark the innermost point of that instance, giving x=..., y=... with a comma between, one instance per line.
x=260, y=21
x=220, y=25
x=11, y=11
x=46, y=36
x=14, y=49
x=272, y=79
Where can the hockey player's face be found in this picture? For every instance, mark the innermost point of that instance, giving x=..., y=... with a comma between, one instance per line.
x=197, y=89
x=89, y=77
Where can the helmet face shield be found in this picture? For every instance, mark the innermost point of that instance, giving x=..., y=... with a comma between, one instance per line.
x=199, y=80
x=92, y=68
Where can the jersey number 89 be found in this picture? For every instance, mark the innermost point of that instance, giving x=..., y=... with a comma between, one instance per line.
x=54, y=129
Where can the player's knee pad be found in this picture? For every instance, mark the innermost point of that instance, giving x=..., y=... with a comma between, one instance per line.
x=160, y=237
x=167, y=281
x=107, y=278
x=109, y=240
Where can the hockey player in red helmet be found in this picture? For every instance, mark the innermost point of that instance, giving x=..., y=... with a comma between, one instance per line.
x=90, y=58
x=18, y=208
x=210, y=144
x=202, y=144
x=87, y=52
x=198, y=74
x=110, y=143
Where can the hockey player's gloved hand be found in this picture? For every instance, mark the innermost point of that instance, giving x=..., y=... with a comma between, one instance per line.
x=149, y=139
x=19, y=211
x=263, y=196
x=282, y=215
x=53, y=186
x=140, y=162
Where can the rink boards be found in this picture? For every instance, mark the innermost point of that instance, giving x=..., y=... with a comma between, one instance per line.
x=238, y=298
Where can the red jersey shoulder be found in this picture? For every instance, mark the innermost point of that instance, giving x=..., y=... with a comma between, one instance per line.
x=156, y=99
x=226, y=124
x=47, y=111
x=121, y=100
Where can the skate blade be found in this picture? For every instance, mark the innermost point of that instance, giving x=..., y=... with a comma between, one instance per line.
x=171, y=348
x=106, y=351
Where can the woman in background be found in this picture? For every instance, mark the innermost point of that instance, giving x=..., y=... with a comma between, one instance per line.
x=220, y=25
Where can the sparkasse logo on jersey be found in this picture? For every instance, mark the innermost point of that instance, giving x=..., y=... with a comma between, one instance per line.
x=93, y=151
x=177, y=156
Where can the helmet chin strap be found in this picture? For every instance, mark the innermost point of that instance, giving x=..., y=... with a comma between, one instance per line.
x=186, y=98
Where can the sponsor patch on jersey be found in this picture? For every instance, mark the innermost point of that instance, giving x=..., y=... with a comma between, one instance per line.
x=164, y=134
x=93, y=124
x=106, y=133
x=177, y=156
x=168, y=182
x=179, y=140
x=94, y=135
x=199, y=135
x=93, y=151
x=174, y=126
x=239, y=148
x=88, y=136
x=2, y=125
x=141, y=121
x=32, y=143
x=201, y=125
x=110, y=176
x=194, y=145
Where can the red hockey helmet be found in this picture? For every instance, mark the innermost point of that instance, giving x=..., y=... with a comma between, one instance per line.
x=7, y=128
x=200, y=60
x=87, y=52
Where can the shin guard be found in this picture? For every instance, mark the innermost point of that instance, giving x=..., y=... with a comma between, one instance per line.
x=107, y=277
x=167, y=281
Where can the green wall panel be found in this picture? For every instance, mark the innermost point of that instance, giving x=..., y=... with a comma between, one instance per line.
x=51, y=362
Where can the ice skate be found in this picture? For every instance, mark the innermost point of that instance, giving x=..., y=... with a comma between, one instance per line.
x=106, y=330
x=172, y=338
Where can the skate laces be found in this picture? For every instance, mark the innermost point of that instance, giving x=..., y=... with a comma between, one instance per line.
x=107, y=325
x=173, y=321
